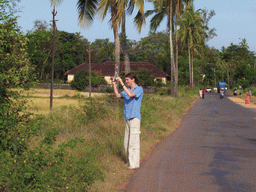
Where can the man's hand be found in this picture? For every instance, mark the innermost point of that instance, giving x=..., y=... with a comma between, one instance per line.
x=113, y=81
x=118, y=79
x=118, y=95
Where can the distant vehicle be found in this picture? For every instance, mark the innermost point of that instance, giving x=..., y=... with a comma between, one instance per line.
x=221, y=94
x=221, y=86
x=208, y=90
x=235, y=92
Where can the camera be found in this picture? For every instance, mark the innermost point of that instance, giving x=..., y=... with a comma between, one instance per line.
x=114, y=78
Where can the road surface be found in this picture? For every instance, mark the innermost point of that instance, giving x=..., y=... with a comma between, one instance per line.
x=214, y=149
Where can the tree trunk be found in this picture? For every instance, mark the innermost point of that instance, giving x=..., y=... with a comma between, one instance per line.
x=171, y=49
x=125, y=49
x=192, y=68
x=189, y=63
x=177, y=52
x=117, y=41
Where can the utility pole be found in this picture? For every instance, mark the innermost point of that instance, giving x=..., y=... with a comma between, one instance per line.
x=90, y=72
x=228, y=77
x=214, y=78
x=53, y=47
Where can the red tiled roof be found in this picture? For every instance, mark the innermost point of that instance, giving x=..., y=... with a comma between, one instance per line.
x=108, y=67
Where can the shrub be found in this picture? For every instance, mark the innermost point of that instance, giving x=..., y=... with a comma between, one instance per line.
x=145, y=78
x=109, y=90
x=46, y=169
x=81, y=80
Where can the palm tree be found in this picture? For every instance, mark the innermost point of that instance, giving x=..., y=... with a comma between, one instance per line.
x=88, y=8
x=179, y=10
x=192, y=33
x=168, y=8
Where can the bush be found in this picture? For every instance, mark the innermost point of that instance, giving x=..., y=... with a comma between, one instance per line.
x=46, y=169
x=145, y=78
x=81, y=80
x=109, y=90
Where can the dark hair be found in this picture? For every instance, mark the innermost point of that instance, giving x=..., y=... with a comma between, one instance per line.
x=132, y=76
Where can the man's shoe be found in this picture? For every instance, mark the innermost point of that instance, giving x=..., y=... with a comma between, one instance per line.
x=133, y=167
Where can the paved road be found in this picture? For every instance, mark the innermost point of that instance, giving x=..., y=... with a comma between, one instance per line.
x=214, y=149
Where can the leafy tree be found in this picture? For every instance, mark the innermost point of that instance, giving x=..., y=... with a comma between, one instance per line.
x=15, y=71
x=238, y=60
x=145, y=77
x=7, y=10
x=81, y=80
x=71, y=52
x=154, y=49
x=102, y=50
x=39, y=51
x=40, y=25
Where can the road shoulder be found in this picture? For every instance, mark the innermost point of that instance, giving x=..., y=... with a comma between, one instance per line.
x=242, y=102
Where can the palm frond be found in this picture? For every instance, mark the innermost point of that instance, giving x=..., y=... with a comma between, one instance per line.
x=156, y=20
x=139, y=20
x=104, y=7
x=55, y=2
x=86, y=11
x=130, y=7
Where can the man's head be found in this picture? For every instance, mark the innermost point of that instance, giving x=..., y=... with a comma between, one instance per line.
x=130, y=79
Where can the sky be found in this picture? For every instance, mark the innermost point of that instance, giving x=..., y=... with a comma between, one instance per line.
x=234, y=21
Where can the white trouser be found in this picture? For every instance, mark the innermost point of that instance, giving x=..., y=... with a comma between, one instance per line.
x=132, y=142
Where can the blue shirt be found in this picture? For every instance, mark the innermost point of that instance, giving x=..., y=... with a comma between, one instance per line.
x=132, y=104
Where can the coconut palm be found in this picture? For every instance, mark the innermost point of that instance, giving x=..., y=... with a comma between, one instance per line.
x=192, y=34
x=171, y=9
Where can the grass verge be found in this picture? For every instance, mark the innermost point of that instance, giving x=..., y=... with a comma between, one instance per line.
x=87, y=138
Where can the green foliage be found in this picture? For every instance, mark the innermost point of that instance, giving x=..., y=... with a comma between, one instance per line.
x=40, y=50
x=46, y=169
x=94, y=111
x=81, y=80
x=15, y=68
x=103, y=50
x=239, y=61
x=7, y=10
x=70, y=50
x=42, y=167
x=154, y=49
x=145, y=78
x=109, y=90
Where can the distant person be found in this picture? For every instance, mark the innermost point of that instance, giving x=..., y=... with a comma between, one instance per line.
x=203, y=92
x=200, y=93
x=132, y=96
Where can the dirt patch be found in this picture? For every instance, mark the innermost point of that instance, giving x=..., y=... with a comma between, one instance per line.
x=242, y=102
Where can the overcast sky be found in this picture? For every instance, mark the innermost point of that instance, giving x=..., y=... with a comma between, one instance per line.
x=234, y=20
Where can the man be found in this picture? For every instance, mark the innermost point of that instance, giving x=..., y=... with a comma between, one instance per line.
x=203, y=92
x=132, y=96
